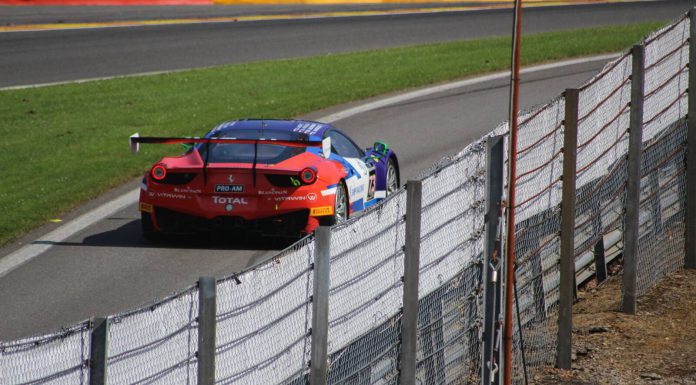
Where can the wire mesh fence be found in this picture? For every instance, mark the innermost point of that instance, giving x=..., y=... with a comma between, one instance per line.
x=264, y=315
x=365, y=294
x=155, y=344
x=663, y=177
x=60, y=358
x=264, y=318
x=450, y=285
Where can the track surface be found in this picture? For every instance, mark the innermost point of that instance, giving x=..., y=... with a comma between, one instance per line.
x=52, y=56
x=108, y=268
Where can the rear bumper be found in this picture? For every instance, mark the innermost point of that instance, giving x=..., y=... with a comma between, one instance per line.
x=291, y=224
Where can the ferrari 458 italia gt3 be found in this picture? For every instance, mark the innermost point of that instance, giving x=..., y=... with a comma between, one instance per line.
x=269, y=177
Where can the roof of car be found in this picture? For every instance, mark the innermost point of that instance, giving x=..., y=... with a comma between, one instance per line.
x=314, y=130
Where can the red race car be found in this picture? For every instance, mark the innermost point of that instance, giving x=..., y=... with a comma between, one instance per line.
x=267, y=177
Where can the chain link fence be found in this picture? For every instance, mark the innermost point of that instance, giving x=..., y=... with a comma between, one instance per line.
x=155, y=344
x=663, y=176
x=365, y=294
x=263, y=318
x=60, y=358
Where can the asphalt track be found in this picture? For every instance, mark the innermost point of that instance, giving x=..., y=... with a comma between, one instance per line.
x=53, y=56
x=109, y=268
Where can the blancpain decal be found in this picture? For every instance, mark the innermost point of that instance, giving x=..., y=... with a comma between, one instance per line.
x=229, y=200
x=187, y=190
x=272, y=192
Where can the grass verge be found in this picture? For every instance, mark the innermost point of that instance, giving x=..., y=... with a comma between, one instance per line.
x=65, y=144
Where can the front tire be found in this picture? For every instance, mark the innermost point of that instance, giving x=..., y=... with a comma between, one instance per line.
x=392, y=177
x=340, y=207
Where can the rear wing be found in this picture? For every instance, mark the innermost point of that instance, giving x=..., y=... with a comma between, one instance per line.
x=136, y=139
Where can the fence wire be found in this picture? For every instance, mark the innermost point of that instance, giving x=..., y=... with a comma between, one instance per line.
x=156, y=344
x=537, y=240
x=663, y=177
x=365, y=294
x=60, y=358
x=450, y=284
x=264, y=318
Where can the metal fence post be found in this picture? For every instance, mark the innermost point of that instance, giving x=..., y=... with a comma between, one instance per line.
x=409, y=320
x=631, y=219
x=567, y=263
x=320, y=306
x=495, y=169
x=690, y=241
x=206, y=330
x=98, y=351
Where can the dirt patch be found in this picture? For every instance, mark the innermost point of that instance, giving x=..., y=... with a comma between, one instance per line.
x=655, y=346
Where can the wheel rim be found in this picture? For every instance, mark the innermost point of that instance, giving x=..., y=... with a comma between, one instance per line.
x=341, y=209
x=392, y=184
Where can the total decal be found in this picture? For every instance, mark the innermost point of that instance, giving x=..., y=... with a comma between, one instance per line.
x=230, y=200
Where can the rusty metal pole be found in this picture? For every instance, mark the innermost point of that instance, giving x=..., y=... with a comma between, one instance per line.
x=512, y=176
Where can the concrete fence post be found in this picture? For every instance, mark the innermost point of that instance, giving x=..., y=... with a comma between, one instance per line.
x=631, y=219
x=409, y=320
x=206, y=330
x=320, y=306
x=567, y=263
x=99, y=347
x=690, y=217
x=495, y=169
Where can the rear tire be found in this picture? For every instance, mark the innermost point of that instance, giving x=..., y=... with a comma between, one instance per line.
x=147, y=227
x=340, y=207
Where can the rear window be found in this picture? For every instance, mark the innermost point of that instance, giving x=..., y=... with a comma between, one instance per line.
x=244, y=153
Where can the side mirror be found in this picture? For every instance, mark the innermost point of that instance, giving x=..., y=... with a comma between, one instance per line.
x=380, y=148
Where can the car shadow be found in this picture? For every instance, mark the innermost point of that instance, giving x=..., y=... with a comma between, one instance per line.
x=130, y=235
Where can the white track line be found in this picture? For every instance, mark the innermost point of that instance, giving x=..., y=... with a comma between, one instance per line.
x=39, y=246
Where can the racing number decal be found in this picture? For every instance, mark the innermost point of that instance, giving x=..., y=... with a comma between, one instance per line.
x=371, y=187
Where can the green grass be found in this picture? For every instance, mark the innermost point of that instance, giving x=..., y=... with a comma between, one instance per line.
x=65, y=144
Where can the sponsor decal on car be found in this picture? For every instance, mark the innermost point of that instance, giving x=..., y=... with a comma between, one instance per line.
x=357, y=190
x=187, y=190
x=146, y=207
x=229, y=188
x=168, y=195
x=297, y=198
x=322, y=210
x=229, y=200
x=272, y=192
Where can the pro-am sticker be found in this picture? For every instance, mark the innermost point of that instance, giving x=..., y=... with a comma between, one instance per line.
x=229, y=188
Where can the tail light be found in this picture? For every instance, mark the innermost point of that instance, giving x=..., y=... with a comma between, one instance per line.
x=308, y=175
x=159, y=172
